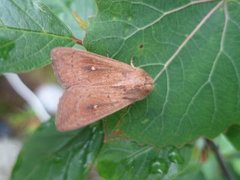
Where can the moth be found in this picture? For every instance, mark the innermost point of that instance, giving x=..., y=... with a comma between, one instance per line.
x=95, y=86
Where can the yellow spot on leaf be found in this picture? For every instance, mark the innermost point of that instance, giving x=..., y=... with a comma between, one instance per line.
x=82, y=23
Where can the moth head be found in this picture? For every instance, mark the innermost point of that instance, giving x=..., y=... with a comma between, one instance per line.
x=142, y=86
x=146, y=80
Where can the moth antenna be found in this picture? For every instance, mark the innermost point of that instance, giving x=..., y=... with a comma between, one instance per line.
x=131, y=62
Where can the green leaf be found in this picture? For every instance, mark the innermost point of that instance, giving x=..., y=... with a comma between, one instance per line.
x=233, y=134
x=191, y=49
x=64, y=9
x=127, y=160
x=50, y=154
x=28, y=32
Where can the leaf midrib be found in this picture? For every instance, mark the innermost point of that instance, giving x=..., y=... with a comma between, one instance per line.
x=36, y=32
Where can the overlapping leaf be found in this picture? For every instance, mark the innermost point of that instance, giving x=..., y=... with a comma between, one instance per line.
x=65, y=9
x=127, y=160
x=49, y=154
x=28, y=32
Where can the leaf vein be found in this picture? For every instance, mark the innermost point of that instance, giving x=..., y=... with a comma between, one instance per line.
x=24, y=12
x=33, y=32
x=170, y=60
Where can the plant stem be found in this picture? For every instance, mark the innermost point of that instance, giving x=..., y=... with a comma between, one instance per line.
x=220, y=160
x=29, y=96
x=78, y=41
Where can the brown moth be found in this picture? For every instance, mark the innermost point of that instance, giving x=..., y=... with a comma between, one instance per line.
x=95, y=86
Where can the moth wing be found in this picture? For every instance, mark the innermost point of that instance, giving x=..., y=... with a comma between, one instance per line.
x=80, y=106
x=75, y=67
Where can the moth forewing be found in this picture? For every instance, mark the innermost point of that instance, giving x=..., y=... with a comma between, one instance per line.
x=96, y=86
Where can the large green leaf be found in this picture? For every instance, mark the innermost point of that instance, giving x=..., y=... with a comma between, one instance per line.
x=49, y=154
x=127, y=160
x=28, y=32
x=191, y=49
